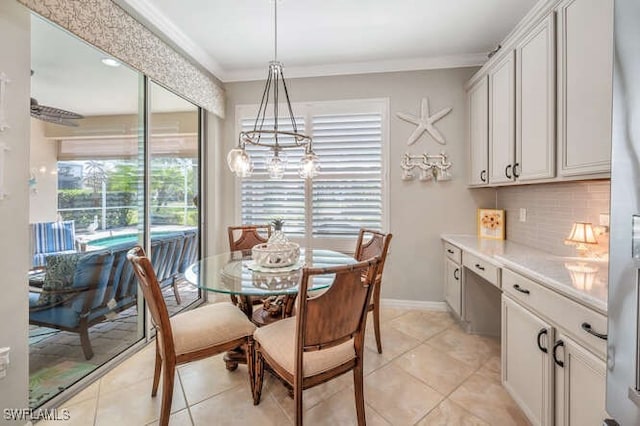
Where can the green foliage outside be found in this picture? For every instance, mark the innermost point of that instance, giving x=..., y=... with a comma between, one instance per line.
x=85, y=200
x=123, y=181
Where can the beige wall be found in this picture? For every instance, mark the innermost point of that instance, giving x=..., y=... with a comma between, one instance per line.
x=419, y=212
x=217, y=205
x=14, y=219
x=43, y=167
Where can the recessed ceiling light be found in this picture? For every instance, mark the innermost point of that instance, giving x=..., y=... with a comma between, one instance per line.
x=110, y=62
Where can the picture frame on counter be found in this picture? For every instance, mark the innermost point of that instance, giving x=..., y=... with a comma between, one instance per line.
x=491, y=224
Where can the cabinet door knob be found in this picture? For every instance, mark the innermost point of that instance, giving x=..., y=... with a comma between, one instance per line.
x=520, y=289
x=455, y=274
x=507, y=171
x=479, y=267
x=587, y=327
x=483, y=176
x=541, y=333
x=516, y=173
x=555, y=353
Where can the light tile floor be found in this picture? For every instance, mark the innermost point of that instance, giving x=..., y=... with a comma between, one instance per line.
x=430, y=373
x=108, y=339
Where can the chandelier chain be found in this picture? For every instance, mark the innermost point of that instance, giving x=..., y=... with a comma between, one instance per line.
x=238, y=158
x=275, y=32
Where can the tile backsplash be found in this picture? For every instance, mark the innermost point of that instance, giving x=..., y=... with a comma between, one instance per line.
x=551, y=210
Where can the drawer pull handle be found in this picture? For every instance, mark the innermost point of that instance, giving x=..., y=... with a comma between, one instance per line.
x=587, y=327
x=541, y=333
x=455, y=274
x=449, y=251
x=479, y=267
x=520, y=289
x=555, y=353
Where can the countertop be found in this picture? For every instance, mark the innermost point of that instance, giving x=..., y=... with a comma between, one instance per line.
x=581, y=279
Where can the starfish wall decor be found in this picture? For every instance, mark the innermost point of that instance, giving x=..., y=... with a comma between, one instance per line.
x=425, y=122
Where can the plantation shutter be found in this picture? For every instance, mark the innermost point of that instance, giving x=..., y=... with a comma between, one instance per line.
x=264, y=199
x=347, y=194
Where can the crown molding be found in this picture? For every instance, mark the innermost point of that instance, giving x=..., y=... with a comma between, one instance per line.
x=146, y=10
x=412, y=64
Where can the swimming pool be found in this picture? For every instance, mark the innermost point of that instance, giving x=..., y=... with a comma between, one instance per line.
x=122, y=238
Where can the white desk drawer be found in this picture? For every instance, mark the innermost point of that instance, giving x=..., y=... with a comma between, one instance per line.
x=575, y=319
x=486, y=270
x=453, y=252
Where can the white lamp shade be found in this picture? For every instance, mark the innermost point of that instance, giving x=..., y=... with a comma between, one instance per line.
x=581, y=233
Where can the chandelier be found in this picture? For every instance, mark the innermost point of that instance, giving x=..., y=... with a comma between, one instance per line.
x=239, y=160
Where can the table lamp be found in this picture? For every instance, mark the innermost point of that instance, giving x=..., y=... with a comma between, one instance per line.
x=582, y=236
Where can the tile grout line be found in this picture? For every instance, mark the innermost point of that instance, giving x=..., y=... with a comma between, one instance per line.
x=184, y=395
x=375, y=411
x=95, y=412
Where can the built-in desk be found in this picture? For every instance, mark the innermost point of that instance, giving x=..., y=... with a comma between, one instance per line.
x=550, y=312
x=582, y=280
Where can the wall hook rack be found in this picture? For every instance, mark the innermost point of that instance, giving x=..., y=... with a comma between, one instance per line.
x=428, y=167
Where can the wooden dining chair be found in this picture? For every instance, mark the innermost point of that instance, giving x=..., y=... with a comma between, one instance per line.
x=374, y=244
x=244, y=238
x=326, y=337
x=188, y=336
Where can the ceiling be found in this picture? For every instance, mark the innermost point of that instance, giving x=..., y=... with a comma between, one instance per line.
x=234, y=38
x=69, y=74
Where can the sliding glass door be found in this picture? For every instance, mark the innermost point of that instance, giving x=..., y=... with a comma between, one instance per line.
x=115, y=162
x=173, y=191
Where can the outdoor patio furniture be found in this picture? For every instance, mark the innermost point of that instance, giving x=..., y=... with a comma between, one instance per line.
x=94, y=286
x=49, y=238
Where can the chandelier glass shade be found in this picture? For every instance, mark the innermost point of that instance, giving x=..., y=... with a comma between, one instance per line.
x=271, y=135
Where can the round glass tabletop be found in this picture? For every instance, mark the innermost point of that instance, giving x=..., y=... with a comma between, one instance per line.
x=235, y=273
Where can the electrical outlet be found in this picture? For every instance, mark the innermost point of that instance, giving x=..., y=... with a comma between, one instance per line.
x=523, y=215
x=604, y=219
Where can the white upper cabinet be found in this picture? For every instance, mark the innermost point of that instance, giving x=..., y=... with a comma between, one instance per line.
x=585, y=56
x=478, y=132
x=549, y=98
x=535, y=103
x=502, y=86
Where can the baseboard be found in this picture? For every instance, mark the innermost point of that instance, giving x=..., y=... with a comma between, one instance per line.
x=415, y=304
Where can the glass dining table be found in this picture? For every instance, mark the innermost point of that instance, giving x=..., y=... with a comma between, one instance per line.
x=236, y=274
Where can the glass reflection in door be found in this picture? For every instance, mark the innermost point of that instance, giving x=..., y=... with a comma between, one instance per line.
x=86, y=210
x=174, y=141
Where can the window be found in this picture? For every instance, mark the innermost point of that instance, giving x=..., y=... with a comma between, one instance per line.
x=349, y=137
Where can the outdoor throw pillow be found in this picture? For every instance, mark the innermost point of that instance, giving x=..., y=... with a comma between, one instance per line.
x=58, y=276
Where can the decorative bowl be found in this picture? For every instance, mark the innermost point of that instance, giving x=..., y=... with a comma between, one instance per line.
x=276, y=255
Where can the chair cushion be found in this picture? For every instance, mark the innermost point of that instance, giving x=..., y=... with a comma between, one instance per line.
x=278, y=340
x=208, y=326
